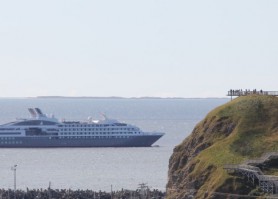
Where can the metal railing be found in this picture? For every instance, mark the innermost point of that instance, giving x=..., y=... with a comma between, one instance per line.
x=264, y=158
x=267, y=183
x=251, y=92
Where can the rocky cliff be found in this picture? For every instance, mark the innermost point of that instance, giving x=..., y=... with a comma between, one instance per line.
x=244, y=128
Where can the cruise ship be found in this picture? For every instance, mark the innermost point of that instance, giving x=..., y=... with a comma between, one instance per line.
x=41, y=130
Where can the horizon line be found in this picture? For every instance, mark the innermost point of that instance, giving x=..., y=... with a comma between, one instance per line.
x=111, y=97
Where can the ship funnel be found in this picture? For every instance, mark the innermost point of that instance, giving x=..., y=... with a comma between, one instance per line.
x=39, y=112
x=32, y=112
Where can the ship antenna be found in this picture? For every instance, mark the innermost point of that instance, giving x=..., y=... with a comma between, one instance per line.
x=104, y=116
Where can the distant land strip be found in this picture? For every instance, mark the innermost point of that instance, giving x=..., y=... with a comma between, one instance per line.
x=115, y=97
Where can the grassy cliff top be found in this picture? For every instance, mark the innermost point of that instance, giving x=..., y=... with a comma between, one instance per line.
x=244, y=128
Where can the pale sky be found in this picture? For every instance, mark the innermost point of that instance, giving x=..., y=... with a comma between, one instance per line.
x=128, y=48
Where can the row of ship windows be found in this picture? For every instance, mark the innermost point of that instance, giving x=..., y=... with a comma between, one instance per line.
x=11, y=142
x=96, y=129
x=91, y=125
x=52, y=130
x=97, y=137
x=86, y=125
x=74, y=129
x=101, y=133
x=10, y=133
x=7, y=138
x=9, y=129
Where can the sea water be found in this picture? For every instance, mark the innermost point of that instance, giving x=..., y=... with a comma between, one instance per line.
x=99, y=168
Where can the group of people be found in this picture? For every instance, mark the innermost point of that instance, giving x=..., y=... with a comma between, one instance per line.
x=241, y=92
x=78, y=194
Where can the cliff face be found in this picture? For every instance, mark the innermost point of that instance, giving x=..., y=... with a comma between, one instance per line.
x=242, y=129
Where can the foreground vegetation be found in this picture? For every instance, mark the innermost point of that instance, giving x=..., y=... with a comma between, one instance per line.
x=80, y=194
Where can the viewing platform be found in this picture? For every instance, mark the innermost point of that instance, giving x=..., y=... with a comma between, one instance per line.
x=241, y=92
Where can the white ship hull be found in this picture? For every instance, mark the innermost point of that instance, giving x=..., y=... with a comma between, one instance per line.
x=44, y=142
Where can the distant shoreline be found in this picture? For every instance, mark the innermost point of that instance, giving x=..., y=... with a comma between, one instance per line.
x=115, y=97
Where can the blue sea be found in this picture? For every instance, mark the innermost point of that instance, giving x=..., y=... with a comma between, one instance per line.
x=99, y=168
